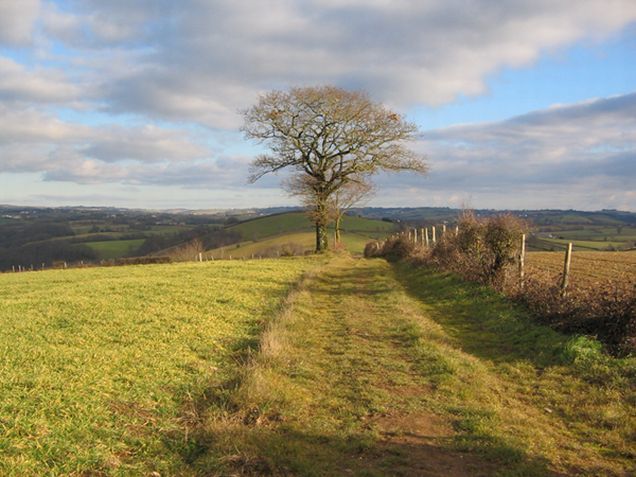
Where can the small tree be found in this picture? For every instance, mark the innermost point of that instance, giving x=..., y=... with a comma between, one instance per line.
x=350, y=194
x=346, y=197
x=330, y=136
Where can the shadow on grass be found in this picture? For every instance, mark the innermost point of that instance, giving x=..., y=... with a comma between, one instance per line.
x=265, y=451
x=480, y=321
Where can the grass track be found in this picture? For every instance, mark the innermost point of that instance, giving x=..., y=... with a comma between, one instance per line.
x=103, y=371
x=375, y=370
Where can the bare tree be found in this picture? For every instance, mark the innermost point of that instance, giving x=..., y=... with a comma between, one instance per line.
x=331, y=136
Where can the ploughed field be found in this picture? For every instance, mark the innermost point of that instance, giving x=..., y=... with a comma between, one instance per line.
x=104, y=370
x=587, y=268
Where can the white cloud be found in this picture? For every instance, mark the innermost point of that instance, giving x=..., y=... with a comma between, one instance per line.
x=17, y=18
x=39, y=85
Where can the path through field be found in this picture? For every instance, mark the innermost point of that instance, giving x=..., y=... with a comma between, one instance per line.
x=373, y=369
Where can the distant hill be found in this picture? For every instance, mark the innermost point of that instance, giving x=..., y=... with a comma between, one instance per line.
x=293, y=233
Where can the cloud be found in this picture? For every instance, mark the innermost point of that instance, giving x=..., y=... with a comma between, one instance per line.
x=202, y=61
x=17, y=18
x=170, y=67
x=33, y=141
x=585, y=150
x=38, y=85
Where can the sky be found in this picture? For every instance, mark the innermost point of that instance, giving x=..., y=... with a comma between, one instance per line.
x=520, y=104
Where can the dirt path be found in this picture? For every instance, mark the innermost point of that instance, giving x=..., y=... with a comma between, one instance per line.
x=356, y=378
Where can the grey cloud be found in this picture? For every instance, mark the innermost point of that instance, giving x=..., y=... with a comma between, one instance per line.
x=561, y=147
x=204, y=60
x=32, y=141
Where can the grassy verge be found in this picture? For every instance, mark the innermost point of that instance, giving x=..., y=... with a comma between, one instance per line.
x=108, y=371
x=374, y=370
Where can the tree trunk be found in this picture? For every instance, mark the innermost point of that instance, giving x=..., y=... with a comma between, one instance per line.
x=337, y=225
x=321, y=237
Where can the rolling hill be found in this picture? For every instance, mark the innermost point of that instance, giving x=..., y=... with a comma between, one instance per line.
x=292, y=233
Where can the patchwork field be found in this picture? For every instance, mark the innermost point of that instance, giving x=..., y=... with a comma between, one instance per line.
x=104, y=370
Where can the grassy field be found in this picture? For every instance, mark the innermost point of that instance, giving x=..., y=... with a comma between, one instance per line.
x=590, y=237
x=354, y=243
x=586, y=267
x=262, y=227
x=107, y=371
x=302, y=366
x=115, y=248
x=586, y=244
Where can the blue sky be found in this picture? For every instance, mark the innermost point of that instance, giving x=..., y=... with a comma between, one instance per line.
x=520, y=104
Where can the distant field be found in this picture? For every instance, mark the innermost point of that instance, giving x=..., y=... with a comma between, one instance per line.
x=587, y=267
x=104, y=370
x=592, y=237
x=257, y=229
x=307, y=240
x=115, y=248
x=591, y=244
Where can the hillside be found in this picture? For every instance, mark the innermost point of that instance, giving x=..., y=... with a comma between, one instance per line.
x=278, y=224
x=293, y=233
x=300, y=366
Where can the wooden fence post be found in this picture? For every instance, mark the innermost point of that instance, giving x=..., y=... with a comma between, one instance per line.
x=433, y=238
x=200, y=257
x=443, y=230
x=566, y=270
x=522, y=260
x=456, y=230
x=415, y=236
x=426, y=237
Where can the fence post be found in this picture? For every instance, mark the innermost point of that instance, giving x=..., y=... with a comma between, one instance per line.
x=443, y=230
x=522, y=260
x=456, y=230
x=415, y=236
x=434, y=239
x=200, y=257
x=426, y=237
x=566, y=270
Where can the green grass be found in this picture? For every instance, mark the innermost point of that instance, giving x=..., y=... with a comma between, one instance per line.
x=115, y=248
x=365, y=368
x=353, y=242
x=108, y=371
x=279, y=224
x=587, y=244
